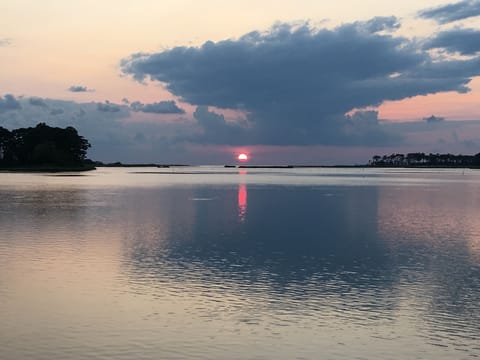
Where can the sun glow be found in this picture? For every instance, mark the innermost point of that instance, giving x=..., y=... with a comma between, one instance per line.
x=242, y=157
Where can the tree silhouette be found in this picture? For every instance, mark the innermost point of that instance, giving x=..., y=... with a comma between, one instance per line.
x=421, y=159
x=42, y=145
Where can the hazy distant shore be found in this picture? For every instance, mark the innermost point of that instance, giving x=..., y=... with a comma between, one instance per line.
x=296, y=166
x=47, y=168
x=366, y=166
x=90, y=167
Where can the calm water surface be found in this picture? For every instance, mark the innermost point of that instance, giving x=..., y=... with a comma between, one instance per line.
x=214, y=263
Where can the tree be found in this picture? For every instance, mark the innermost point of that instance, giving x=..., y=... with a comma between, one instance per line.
x=5, y=141
x=42, y=145
x=421, y=159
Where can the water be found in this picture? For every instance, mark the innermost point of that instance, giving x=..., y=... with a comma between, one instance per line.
x=214, y=263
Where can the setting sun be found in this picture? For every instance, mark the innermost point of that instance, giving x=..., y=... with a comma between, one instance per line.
x=242, y=157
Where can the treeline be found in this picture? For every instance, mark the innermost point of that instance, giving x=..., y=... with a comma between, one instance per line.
x=42, y=145
x=426, y=160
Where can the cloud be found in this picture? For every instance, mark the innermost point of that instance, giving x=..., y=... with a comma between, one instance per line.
x=37, y=101
x=462, y=41
x=115, y=136
x=122, y=136
x=79, y=88
x=452, y=12
x=42, y=103
x=282, y=66
x=216, y=130
x=296, y=83
x=57, y=111
x=9, y=102
x=362, y=127
x=380, y=23
x=162, y=107
x=108, y=107
x=5, y=42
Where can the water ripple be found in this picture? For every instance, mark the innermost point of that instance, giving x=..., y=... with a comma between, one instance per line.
x=389, y=270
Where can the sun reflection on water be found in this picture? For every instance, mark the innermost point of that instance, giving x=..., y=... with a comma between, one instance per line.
x=242, y=197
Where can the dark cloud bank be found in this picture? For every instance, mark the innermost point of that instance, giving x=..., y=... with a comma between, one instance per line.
x=161, y=107
x=111, y=128
x=36, y=101
x=9, y=102
x=108, y=107
x=458, y=40
x=296, y=83
x=119, y=135
x=452, y=12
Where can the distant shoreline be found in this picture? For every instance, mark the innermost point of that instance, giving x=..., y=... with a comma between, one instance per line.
x=46, y=168
x=85, y=168
x=119, y=164
x=366, y=166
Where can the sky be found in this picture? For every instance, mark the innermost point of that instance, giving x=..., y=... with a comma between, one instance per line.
x=287, y=82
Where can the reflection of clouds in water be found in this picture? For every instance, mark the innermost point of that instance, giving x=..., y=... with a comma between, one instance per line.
x=292, y=262
x=386, y=270
x=42, y=209
x=361, y=254
x=290, y=240
x=432, y=233
x=54, y=234
x=442, y=218
x=474, y=241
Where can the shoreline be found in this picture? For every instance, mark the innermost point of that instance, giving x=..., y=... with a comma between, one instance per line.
x=57, y=169
x=49, y=169
x=350, y=166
